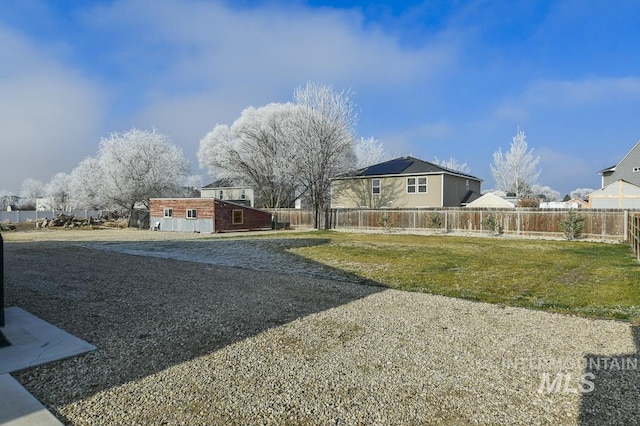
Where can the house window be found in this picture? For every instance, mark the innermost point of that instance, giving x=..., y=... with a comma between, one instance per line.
x=375, y=186
x=636, y=170
x=417, y=185
x=192, y=214
x=237, y=217
x=168, y=213
x=422, y=185
x=411, y=185
x=221, y=194
x=466, y=184
x=243, y=195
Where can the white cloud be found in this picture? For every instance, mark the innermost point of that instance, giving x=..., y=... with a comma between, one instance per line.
x=201, y=63
x=267, y=46
x=48, y=113
x=567, y=94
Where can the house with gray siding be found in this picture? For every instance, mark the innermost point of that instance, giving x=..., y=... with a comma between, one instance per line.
x=404, y=182
x=628, y=169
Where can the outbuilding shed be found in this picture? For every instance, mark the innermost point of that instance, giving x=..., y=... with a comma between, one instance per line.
x=205, y=215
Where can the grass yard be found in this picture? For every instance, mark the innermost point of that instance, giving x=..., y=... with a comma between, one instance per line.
x=583, y=278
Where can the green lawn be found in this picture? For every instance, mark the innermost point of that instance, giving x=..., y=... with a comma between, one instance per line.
x=583, y=278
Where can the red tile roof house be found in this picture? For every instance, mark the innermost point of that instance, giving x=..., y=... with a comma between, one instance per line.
x=205, y=215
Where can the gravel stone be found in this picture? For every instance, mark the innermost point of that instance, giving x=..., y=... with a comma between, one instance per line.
x=228, y=331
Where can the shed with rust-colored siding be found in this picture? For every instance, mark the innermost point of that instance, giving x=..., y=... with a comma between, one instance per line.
x=205, y=215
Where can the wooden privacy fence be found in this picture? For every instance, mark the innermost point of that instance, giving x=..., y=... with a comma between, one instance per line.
x=603, y=224
x=633, y=232
x=296, y=218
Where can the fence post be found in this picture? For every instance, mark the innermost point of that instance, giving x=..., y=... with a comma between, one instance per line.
x=1, y=282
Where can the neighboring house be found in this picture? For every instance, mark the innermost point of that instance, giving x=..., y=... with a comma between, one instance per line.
x=616, y=195
x=227, y=190
x=404, y=182
x=205, y=215
x=628, y=169
x=574, y=203
x=491, y=200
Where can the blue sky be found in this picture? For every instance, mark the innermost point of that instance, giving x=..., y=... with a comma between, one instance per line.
x=431, y=78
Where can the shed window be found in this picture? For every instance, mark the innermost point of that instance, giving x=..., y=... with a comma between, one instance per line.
x=168, y=213
x=192, y=214
x=375, y=186
x=237, y=217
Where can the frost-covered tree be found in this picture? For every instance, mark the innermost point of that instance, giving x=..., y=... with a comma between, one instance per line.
x=581, y=193
x=453, y=164
x=30, y=191
x=86, y=185
x=259, y=149
x=59, y=192
x=516, y=170
x=191, y=186
x=325, y=140
x=283, y=150
x=546, y=192
x=369, y=151
x=138, y=165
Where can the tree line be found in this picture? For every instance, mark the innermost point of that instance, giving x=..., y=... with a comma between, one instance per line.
x=281, y=150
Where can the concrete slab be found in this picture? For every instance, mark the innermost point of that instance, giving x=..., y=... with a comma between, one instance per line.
x=19, y=408
x=35, y=342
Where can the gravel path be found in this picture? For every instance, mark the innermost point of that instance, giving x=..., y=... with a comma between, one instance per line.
x=182, y=342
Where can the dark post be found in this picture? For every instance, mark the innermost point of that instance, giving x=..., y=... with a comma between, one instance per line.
x=1, y=282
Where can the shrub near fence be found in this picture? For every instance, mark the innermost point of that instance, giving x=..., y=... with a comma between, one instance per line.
x=604, y=224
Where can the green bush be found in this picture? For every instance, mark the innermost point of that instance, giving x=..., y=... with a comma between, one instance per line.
x=434, y=221
x=572, y=225
x=492, y=224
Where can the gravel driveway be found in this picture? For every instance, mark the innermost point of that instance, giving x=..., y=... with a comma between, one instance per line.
x=202, y=332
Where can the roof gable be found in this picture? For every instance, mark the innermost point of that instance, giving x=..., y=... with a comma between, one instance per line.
x=636, y=146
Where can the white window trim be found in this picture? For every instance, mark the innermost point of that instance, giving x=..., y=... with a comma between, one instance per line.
x=373, y=186
x=425, y=185
x=191, y=213
x=169, y=211
x=416, y=185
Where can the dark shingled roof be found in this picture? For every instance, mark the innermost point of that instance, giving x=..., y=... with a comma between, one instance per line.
x=405, y=165
x=221, y=183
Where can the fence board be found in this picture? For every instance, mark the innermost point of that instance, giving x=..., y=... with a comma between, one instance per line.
x=633, y=232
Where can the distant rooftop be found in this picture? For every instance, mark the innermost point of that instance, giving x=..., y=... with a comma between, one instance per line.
x=405, y=165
